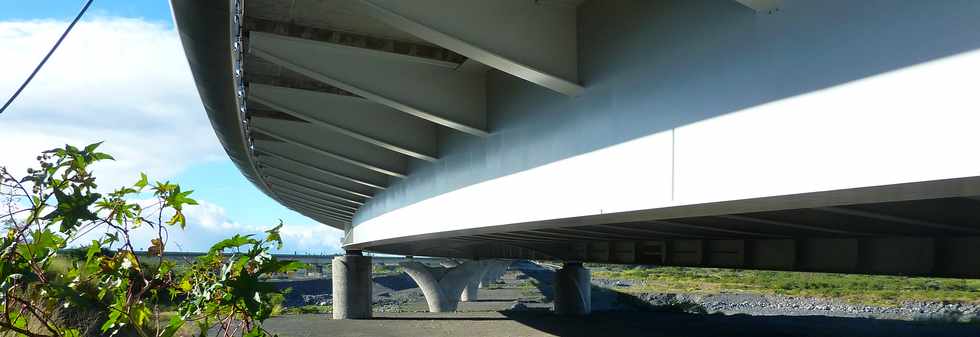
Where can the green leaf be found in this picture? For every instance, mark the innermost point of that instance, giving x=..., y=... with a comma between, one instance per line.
x=281, y=266
x=72, y=209
x=111, y=321
x=101, y=156
x=140, y=316
x=18, y=320
x=142, y=182
x=185, y=284
x=95, y=248
x=273, y=235
x=92, y=147
x=233, y=242
x=183, y=199
x=178, y=218
x=255, y=332
x=173, y=327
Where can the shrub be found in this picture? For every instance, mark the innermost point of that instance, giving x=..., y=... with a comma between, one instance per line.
x=44, y=294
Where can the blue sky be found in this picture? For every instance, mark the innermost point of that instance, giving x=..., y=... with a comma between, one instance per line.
x=154, y=10
x=121, y=77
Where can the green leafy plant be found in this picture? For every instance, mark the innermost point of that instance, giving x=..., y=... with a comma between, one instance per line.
x=57, y=204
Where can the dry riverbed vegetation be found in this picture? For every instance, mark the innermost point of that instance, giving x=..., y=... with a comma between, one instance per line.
x=856, y=289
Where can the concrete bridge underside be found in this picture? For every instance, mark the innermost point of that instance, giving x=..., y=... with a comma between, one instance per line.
x=833, y=135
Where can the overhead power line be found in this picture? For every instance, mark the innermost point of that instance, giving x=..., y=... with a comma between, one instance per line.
x=46, y=57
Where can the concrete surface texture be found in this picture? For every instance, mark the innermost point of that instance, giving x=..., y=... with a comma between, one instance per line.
x=573, y=290
x=492, y=270
x=472, y=289
x=352, y=287
x=495, y=270
x=443, y=287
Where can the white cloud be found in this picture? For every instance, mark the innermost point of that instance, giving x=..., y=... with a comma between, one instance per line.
x=208, y=223
x=126, y=82
x=123, y=81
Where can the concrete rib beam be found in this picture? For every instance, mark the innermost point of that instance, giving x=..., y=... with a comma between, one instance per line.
x=272, y=168
x=353, y=117
x=305, y=145
x=317, y=204
x=262, y=153
x=303, y=190
x=538, y=43
x=408, y=84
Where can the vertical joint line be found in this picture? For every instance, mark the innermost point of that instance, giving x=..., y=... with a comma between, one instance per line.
x=673, y=160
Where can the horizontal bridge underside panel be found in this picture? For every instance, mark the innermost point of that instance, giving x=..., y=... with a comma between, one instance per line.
x=923, y=250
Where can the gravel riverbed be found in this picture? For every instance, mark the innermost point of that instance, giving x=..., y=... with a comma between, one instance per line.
x=398, y=293
x=777, y=305
x=390, y=292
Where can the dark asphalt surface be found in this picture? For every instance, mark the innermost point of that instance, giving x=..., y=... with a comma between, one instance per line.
x=606, y=324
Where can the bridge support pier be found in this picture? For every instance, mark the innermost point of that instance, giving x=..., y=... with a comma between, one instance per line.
x=495, y=270
x=472, y=290
x=351, y=286
x=573, y=290
x=443, y=286
x=492, y=271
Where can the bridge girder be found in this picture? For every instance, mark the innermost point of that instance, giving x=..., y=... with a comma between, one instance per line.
x=538, y=43
x=428, y=89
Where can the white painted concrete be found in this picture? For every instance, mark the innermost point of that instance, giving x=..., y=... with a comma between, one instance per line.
x=908, y=125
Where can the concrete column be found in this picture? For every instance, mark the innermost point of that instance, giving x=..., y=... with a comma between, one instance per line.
x=495, y=270
x=472, y=289
x=444, y=286
x=352, y=286
x=573, y=290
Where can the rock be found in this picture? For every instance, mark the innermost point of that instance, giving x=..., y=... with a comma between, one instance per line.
x=317, y=299
x=518, y=306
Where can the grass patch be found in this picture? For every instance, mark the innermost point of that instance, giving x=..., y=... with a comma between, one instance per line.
x=308, y=309
x=858, y=289
x=531, y=290
x=386, y=269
